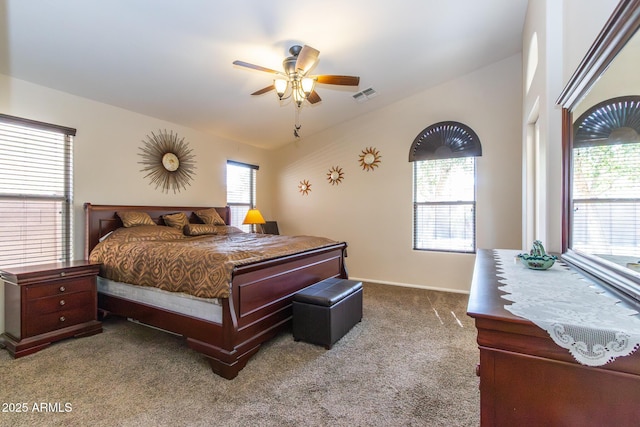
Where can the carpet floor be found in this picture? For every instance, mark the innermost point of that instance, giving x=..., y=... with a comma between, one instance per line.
x=410, y=362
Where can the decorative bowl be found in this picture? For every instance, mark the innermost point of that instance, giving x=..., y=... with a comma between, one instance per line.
x=538, y=262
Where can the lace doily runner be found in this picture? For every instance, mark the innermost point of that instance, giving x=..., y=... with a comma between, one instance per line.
x=578, y=316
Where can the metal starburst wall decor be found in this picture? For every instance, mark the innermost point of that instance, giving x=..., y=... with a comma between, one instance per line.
x=369, y=159
x=168, y=161
x=335, y=175
x=304, y=187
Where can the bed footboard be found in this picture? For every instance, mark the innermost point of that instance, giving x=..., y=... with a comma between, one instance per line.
x=261, y=302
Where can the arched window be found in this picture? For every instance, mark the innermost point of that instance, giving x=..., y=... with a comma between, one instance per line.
x=606, y=177
x=444, y=202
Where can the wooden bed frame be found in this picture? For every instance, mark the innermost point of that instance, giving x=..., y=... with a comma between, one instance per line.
x=259, y=305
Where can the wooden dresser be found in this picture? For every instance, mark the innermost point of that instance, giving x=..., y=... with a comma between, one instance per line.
x=47, y=303
x=528, y=380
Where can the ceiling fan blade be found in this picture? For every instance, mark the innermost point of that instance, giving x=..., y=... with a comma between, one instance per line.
x=314, y=97
x=264, y=90
x=256, y=67
x=338, y=80
x=307, y=58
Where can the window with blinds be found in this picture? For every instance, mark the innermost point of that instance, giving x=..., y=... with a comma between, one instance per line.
x=444, y=204
x=241, y=191
x=35, y=192
x=444, y=198
x=606, y=199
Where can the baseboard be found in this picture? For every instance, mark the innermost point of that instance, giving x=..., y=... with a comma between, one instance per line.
x=410, y=285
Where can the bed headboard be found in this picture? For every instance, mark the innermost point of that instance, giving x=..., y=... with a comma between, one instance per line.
x=102, y=219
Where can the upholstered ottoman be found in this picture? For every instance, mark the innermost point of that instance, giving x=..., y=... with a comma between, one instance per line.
x=324, y=312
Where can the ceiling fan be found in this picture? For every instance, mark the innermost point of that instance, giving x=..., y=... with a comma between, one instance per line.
x=295, y=81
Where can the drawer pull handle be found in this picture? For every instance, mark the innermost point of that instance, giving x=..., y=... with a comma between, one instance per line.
x=62, y=319
x=62, y=289
x=62, y=302
x=62, y=274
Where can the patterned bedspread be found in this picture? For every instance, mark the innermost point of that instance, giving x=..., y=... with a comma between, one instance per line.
x=201, y=266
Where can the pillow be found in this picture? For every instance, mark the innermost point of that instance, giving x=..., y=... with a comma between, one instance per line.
x=134, y=218
x=176, y=220
x=146, y=232
x=210, y=216
x=200, y=229
x=227, y=229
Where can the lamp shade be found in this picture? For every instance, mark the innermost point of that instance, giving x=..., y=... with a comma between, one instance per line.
x=307, y=86
x=253, y=217
x=281, y=86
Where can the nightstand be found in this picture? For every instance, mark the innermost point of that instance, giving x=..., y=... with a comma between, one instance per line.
x=47, y=303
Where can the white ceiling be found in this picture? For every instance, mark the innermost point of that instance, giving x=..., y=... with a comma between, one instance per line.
x=172, y=59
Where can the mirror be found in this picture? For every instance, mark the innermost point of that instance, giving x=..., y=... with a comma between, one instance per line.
x=601, y=218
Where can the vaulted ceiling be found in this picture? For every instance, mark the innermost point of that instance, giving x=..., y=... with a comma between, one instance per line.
x=172, y=59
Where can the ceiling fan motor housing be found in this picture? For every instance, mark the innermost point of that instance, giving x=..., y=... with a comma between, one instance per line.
x=295, y=49
x=289, y=63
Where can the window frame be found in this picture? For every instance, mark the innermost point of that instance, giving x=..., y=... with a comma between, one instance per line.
x=472, y=203
x=605, y=177
x=446, y=140
x=64, y=238
x=253, y=169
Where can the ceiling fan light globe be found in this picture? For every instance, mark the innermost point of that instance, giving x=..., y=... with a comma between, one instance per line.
x=298, y=97
x=307, y=84
x=281, y=87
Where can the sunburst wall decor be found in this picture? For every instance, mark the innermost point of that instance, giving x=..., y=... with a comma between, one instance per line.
x=369, y=159
x=335, y=175
x=304, y=187
x=168, y=161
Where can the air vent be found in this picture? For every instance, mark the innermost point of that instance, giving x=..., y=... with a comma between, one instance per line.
x=365, y=95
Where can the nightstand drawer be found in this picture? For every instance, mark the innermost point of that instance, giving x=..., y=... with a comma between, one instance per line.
x=57, y=320
x=58, y=303
x=63, y=287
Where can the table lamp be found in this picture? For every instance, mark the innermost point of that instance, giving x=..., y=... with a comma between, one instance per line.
x=254, y=217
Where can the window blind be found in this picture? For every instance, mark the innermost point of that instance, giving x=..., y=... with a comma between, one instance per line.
x=241, y=191
x=35, y=192
x=444, y=204
x=606, y=199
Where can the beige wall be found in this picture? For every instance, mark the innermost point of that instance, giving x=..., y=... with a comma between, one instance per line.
x=582, y=21
x=565, y=32
x=542, y=148
x=106, y=147
x=620, y=79
x=373, y=210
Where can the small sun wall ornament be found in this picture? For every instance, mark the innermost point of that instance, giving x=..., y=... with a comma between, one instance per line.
x=304, y=187
x=335, y=175
x=369, y=159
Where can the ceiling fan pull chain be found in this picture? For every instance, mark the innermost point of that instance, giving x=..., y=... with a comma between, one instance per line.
x=297, y=125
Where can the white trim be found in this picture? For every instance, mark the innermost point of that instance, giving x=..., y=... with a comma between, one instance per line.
x=410, y=285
